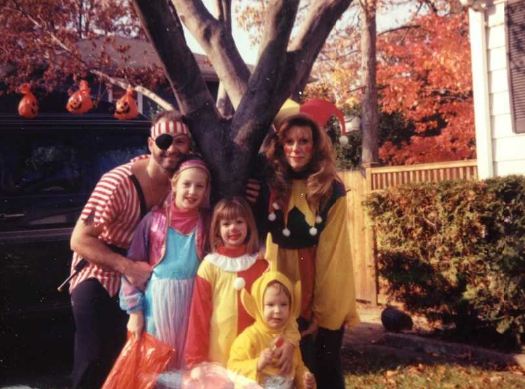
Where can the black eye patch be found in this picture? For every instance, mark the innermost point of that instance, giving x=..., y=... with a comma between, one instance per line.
x=164, y=141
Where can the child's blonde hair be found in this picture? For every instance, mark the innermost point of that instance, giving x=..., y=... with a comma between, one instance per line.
x=192, y=162
x=230, y=209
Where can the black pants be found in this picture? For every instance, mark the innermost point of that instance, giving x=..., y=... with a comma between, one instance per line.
x=322, y=355
x=100, y=333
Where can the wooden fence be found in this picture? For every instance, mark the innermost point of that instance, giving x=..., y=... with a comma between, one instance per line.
x=361, y=183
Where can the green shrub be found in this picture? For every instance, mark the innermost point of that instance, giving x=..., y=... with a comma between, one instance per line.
x=455, y=251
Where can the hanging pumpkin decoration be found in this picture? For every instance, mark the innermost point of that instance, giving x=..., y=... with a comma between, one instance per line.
x=126, y=107
x=28, y=106
x=80, y=101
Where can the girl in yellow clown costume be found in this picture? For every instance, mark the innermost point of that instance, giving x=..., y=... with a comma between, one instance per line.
x=217, y=316
x=308, y=236
x=275, y=305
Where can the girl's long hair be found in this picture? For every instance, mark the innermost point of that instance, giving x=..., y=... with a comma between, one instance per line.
x=231, y=209
x=320, y=172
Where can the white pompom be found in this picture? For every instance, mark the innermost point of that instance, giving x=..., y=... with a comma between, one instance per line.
x=275, y=206
x=196, y=373
x=239, y=283
x=318, y=219
x=343, y=140
x=313, y=231
x=272, y=217
x=286, y=232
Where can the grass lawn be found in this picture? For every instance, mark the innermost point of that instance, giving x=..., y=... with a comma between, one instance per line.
x=364, y=370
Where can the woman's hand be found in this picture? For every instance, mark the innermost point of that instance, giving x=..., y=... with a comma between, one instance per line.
x=264, y=359
x=284, y=354
x=311, y=330
x=136, y=323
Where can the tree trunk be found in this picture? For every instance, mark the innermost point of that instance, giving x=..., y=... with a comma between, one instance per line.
x=369, y=115
x=231, y=146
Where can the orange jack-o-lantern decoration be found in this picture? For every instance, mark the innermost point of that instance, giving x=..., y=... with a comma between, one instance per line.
x=126, y=107
x=28, y=106
x=80, y=101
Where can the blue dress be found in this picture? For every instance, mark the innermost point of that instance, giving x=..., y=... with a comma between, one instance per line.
x=167, y=300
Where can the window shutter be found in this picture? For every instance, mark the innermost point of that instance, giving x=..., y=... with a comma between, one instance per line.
x=515, y=15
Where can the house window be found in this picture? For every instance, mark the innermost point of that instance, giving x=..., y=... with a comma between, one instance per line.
x=515, y=16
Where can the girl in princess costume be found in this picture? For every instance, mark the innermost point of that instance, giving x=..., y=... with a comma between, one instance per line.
x=172, y=240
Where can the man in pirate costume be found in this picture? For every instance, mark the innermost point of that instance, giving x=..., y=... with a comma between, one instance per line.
x=101, y=238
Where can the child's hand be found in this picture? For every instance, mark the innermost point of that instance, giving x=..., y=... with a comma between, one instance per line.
x=308, y=381
x=136, y=323
x=284, y=354
x=264, y=359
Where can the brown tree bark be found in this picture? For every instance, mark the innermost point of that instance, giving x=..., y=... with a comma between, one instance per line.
x=223, y=13
x=230, y=147
x=369, y=115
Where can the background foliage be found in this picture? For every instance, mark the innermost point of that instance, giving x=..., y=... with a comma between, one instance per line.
x=455, y=251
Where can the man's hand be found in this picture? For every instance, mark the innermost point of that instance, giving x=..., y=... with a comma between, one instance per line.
x=284, y=354
x=138, y=273
x=253, y=190
x=136, y=323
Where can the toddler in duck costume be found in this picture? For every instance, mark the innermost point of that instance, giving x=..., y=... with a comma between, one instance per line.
x=275, y=305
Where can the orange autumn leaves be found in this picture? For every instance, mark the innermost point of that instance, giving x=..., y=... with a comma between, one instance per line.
x=426, y=74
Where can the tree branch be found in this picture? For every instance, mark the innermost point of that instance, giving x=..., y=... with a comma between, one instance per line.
x=217, y=41
x=140, y=89
x=272, y=83
x=259, y=104
x=223, y=13
x=114, y=81
x=178, y=61
x=391, y=30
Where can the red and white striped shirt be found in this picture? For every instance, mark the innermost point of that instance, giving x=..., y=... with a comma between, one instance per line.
x=114, y=205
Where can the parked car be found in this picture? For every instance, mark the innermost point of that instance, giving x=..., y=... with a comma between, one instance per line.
x=48, y=167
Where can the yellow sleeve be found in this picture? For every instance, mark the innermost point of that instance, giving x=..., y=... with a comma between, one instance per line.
x=244, y=357
x=300, y=371
x=292, y=334
x=334, y=290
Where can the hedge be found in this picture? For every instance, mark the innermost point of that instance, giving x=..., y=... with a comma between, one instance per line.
x=455, y=251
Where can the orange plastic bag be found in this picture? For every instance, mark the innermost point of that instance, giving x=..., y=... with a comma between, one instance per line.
x=80, y=101
x=126, y=107
x=139, y=364
x=28, y=106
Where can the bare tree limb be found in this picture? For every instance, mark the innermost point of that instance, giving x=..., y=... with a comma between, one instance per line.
x=217, y=41
x=406, y=27
x=259, y=105
x=140, y=89
x=177, y=59
x=223, y=12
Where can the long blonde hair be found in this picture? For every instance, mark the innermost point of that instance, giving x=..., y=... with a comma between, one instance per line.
x=229, y=209
x=320, y=171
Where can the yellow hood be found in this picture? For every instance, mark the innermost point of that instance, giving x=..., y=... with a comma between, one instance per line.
x=253, y=302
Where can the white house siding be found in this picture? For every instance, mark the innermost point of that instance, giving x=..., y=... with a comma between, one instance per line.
x=508, y=148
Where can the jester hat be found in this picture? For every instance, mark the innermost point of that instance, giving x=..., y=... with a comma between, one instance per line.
x=318, y=110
